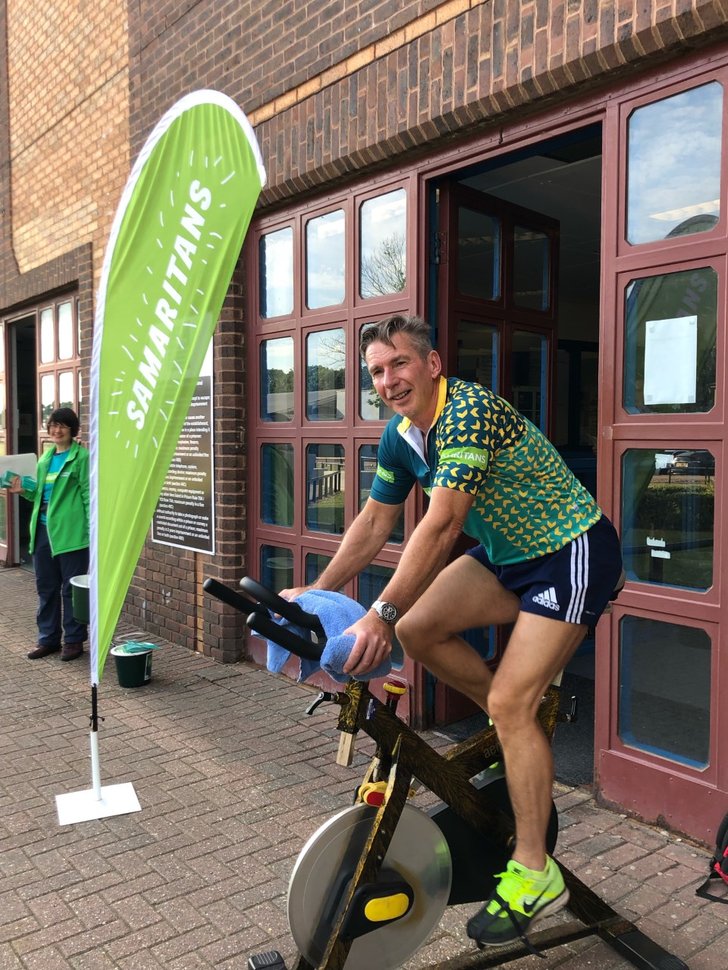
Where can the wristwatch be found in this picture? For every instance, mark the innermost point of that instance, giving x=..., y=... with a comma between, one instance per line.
x=386, y=611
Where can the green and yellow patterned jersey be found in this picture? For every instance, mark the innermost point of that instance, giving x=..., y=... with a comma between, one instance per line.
x=526, y=500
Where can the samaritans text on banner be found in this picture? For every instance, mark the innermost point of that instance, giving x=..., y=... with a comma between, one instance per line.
x=174, y=244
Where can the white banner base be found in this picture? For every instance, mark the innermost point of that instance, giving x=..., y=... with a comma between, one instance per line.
x=82, y=806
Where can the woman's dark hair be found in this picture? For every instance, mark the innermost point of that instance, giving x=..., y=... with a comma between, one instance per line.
x=65, y=416
x=383, y=332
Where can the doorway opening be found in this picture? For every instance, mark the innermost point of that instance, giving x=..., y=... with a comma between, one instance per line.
x=25, y=424
x=526, y=322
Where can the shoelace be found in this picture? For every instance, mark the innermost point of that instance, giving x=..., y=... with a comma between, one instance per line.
x=518, y=928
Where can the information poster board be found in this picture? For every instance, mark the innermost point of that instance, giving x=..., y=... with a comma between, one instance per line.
x=185, y=514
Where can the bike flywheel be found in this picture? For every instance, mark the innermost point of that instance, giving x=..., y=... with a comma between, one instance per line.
x=418, y=853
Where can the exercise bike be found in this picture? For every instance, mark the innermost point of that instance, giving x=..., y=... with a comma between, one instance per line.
x=370, y=886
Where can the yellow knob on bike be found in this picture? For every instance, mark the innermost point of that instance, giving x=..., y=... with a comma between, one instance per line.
x=386, y=908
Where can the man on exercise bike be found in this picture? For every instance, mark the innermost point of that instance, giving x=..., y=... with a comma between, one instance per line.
x=548, y=563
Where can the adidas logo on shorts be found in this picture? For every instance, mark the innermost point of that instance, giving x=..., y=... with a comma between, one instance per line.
x=547, y=599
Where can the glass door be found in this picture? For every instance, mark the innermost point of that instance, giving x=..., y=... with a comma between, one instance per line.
x=497, y=298
x=659, y=748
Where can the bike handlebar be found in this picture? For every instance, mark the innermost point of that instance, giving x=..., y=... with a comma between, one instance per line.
x=259, y=619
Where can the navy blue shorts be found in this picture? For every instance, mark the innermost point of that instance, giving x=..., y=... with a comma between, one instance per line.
x=573, y=584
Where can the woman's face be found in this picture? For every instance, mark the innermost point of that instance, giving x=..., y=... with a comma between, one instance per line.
x=60, y=435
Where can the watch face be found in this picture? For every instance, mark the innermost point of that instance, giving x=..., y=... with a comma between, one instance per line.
x=387, y=611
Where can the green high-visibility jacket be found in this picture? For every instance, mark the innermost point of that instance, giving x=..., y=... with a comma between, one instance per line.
x=67, y=516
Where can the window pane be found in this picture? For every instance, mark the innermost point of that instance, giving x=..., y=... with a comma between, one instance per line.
x=670, y=330
x=326, y=375
x=65, y=331
x=372, y=581
x=664, y=693
x=276, y=379
x=528, y=375
x=371, y=406
x=367, y=471
x=47, y=343
x=276, y=273
x=383, y=244
x=531, y=268
x=2, y=418
x=668, y=517
x=478, y=269
x=80, y=408
x=673, y=180
x=276, y=484
x=314, y=566
x=47, y=398
x=65, y=389
x=2, y=348
x=276, y=567
x=325, y=261
x=478, y=354
x=325, y=488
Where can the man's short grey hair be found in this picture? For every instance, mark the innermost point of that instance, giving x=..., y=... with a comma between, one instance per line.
x=417, y=329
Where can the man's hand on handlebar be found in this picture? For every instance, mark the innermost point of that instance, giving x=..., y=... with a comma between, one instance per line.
x=291, y=594
x=373, y=644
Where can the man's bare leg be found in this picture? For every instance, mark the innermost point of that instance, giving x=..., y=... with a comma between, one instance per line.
x=538, y=649
x=466, y=595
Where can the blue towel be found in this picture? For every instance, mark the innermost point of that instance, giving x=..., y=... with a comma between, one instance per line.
x=336, y=613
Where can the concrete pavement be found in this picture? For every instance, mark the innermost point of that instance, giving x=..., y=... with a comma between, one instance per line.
x=232, y=778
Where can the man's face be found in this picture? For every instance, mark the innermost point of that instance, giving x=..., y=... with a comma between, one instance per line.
x=405, y=381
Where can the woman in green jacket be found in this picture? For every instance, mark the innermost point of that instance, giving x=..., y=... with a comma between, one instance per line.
x=59, y=535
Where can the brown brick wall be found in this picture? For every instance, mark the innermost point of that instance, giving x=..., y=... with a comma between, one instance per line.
x=67, y=111
x=475, y=69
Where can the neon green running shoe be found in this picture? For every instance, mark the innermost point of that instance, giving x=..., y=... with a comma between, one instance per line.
x=521, y=897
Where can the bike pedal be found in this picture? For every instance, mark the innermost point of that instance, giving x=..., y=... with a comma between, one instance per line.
x=270, y=960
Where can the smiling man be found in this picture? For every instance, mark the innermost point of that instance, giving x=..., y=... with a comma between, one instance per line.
x=548, y=562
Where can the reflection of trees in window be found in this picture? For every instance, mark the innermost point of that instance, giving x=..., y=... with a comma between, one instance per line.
x=279, y=380
x=321, y=378
x=326, y=375
x=384, y=271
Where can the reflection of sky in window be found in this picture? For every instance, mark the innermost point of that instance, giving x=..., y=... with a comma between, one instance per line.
x=674, y=162
x=381, y=218
x=277, y=262
x=47, y=353
x=325, y=260
x=278, y=354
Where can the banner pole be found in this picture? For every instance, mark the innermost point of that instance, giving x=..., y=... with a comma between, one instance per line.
x=95, y=766
x=96, y=802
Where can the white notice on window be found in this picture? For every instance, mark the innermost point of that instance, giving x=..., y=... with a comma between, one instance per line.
x=671, y=353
